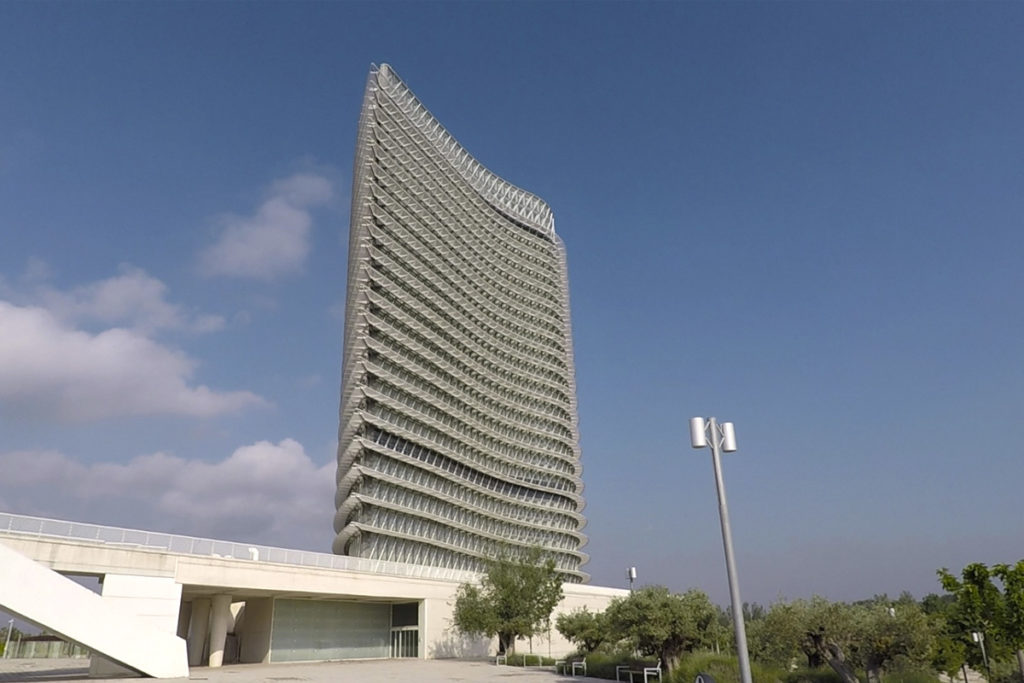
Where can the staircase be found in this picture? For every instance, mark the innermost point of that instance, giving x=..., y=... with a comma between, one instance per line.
x=43, y=597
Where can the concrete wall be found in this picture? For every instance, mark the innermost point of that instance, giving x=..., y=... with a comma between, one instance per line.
x=152, y=600
x=576, y=596
x=443, y=641
x=254, y=630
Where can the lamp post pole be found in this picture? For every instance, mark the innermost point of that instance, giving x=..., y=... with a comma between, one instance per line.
x=979, y=638
x=631, y=575
x=723, y=438
x=7, y=645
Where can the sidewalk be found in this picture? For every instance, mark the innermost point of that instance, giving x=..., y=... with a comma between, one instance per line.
x=377, y=671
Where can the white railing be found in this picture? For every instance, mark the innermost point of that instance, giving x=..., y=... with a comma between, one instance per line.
x=24, y=525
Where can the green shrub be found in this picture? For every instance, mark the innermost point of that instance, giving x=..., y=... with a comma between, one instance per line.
x=909, y=676
x=602, y=664
x=519, y=659
x=1005, y=672
x=723, y=668
x=822, y=674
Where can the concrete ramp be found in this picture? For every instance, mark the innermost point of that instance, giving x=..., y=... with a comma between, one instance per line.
x=42, y=596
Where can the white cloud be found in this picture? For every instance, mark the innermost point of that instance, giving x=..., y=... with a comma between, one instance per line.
x=263, y=493
x=49, y=369
x=133, y=298
x=274, y=241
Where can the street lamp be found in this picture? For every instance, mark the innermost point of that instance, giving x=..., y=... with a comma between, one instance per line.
x=979, y=638
x=631, y=575
x=723, y=438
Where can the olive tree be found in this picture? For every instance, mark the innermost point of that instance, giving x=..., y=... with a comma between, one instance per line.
x=869, y=635
x=514, y=599
x=661, y=623
x=585, y=629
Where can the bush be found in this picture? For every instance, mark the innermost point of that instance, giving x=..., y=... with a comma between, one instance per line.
x=822, y=674
x=1005, y=672
x=825, y=674
x=528, y=659
x=910, y=676
x=723, y=668
x=602, y=664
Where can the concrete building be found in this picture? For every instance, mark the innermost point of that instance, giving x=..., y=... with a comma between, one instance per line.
x=169, y=602
x=458, y=434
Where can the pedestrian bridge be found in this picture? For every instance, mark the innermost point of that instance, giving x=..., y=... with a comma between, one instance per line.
x=171, y=601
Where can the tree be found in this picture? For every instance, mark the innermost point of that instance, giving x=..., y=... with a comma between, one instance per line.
x=1012, y=578
x=661, y=623
x=982, y=606
x=830, y=634
x=871, y=634
x=514, y=599
x=949, y=654
x=886, y=633
x=776, y=638
x=587, y=630
x=14, y=634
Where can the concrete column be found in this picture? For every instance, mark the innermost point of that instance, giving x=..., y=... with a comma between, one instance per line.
x=198, y=630
x=220, y=617
x=422, y=623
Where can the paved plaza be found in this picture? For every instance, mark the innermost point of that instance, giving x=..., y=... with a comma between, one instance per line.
x=378, y=671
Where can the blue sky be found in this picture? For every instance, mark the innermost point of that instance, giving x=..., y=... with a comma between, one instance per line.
x=803, y=218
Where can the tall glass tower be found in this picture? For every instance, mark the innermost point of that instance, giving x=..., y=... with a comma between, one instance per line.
x=458, y=438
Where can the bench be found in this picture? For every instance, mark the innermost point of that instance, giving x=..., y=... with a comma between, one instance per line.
x=647, y=671
x=572, y=667
x=503, y=659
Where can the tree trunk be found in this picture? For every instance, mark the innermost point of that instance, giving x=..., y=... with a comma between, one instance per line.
x=836, y=660
x=963, y=667
x=669, y=660
x=833, y=654
x=1020, y=662
x=506, y=644
x=814, y=659
x=874, y=674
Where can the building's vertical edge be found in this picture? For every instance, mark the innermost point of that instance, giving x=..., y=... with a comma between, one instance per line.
x=353, y=342
x=570, y=356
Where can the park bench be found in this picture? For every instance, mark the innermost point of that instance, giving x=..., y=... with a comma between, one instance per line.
x=572, y=667
x=503, y=659
x=645, y=670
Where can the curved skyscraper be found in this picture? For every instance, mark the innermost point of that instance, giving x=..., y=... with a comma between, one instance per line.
x=458, y=436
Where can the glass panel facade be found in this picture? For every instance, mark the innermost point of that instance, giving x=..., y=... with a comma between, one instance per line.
x=311, y=630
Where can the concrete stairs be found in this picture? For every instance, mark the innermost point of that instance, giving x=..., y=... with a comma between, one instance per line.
x=43, y=597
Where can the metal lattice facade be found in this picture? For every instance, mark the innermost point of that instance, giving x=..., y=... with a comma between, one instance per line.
x=458, y=433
